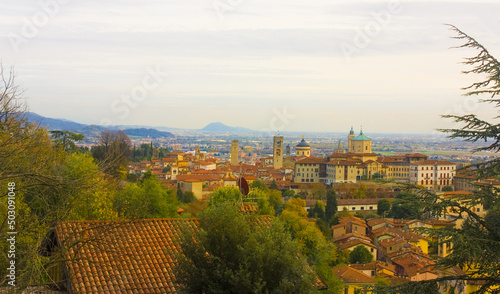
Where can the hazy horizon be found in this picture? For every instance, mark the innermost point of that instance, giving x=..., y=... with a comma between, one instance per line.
x=317, y=67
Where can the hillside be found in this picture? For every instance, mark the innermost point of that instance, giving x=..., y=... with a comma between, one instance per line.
x=220, y=127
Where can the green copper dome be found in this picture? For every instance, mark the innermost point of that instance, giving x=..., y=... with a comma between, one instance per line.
x=361, y=137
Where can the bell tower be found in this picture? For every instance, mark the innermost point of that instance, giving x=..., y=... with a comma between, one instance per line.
x=278, y=152
x=234, y=152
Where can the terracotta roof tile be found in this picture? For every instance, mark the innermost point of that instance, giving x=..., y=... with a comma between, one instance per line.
x=121, y=256
x=350, y=275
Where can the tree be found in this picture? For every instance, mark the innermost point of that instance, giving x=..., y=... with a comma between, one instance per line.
x=406, y=205
x=145, y=199
x=321, y=254
x=66, y=139
x=318, y=210
x=273, y=185
x=447, y=189
x=475, y=244
x=360, y=191
x=49, y=184
x=113, y=152
x=383, y=206
x=223, y=195
x=360, y=255
x=188, y=197
x=331, y=204
x=276, y=201
x=287, y=194
x=237, y=253
x=258, y=184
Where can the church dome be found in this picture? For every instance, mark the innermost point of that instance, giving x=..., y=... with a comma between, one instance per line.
x=303, y=144
x=361, y=137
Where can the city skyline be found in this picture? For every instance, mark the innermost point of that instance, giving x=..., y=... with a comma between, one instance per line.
x=385, y=65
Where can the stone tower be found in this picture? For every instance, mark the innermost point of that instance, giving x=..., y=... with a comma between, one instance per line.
x=235, y=152
x=349, y=138
x=278, y=152
x=339, y=148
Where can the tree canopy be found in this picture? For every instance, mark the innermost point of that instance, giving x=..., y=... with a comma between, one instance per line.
x=360, y=255
x=241, y=253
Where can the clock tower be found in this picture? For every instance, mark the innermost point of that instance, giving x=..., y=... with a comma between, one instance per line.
x=278, y=152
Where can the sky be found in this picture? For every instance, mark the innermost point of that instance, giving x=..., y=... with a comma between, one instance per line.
x=287, y=65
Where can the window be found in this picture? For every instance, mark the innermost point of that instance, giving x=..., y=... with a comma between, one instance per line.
x=371, y=249
x=371, y=207
x=362, y=208
x=355, y=228
x=354, y=208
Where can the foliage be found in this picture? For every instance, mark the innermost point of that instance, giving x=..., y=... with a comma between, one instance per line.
x=113, y=152
x=318, y=210
x=361, y=191
x=258, y=184
x=233, y=195
x=447, y=189
x=476, y=241
x=406, y=205
x=318, y=191
x=91, y=196
x=331, y=204
x=224, y=194
x=383, y=206
x=237, y=253
x=145, y=199
x=288, y=194
x=276, y=201
x=262, y=200
x=320, y=253
x=360, y=255
x=188, y=197
x=65, y=139
x=50, y=185
x=273, y=185
x=371, y=215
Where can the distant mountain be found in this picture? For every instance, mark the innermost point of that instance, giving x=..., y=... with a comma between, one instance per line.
x=151, y=133
x=92, y=130
x=220, y=127
x=54, y=123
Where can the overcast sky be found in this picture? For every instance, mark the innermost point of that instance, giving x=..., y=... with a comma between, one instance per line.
x=290, y=65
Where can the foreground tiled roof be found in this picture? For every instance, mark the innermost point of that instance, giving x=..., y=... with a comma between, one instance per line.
x=355, y=243
x=349, y=275
x=121, y=256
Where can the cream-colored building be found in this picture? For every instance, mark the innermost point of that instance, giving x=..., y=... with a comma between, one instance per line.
x=360, y=144
x=432, y=174
x=309, y=170
x=342, y=171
